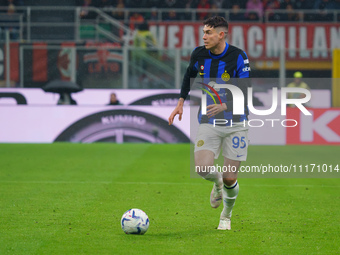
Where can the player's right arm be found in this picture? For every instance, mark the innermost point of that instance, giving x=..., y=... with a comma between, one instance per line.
x=190, y=73
x=178, y=110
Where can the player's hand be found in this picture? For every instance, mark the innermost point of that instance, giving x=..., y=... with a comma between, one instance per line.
x=178, y=110
x=214, y=109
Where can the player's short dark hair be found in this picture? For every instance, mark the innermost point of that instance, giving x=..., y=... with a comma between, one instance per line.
x=216, y=21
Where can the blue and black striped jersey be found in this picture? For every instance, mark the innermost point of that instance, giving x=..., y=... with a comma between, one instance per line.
x=225, y=68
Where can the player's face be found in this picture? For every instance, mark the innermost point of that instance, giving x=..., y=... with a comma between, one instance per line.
x=212, y=37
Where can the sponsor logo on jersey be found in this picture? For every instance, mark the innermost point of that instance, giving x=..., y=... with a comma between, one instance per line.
x=246, y=69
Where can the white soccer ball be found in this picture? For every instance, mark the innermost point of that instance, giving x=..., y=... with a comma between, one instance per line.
x=135, y=221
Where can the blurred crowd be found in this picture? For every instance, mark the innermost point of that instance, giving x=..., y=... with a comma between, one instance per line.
x=220, y=4
x=239, y=9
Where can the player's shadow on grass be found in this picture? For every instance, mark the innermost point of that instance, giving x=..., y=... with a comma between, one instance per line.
x=179, y=234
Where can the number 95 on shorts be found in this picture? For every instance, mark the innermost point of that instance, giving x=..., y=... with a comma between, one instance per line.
x=233, y=141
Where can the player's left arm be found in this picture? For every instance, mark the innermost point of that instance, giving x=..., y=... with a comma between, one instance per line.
x=243, y=74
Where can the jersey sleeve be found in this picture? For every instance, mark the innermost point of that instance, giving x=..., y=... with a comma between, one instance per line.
x=243, y=69
x=191, y=72
x=242, y=72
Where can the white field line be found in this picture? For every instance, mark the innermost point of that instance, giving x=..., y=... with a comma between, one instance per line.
x=162, y=183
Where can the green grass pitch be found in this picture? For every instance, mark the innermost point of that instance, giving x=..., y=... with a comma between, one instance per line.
x=69, y=198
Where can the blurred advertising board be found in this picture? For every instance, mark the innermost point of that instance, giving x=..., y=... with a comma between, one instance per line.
x=33, y=116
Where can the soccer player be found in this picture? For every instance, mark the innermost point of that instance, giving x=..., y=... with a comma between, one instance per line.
x=217, y=61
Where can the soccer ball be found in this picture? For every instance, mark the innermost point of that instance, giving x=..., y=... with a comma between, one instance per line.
x=135, y=221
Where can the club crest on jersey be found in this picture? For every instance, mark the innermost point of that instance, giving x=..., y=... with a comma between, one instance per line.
x=225, y=76
x=202, y=67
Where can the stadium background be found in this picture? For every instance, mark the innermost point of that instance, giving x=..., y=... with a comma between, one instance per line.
x=51, y=182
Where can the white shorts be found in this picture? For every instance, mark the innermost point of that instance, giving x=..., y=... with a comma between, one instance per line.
x=232, y=140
